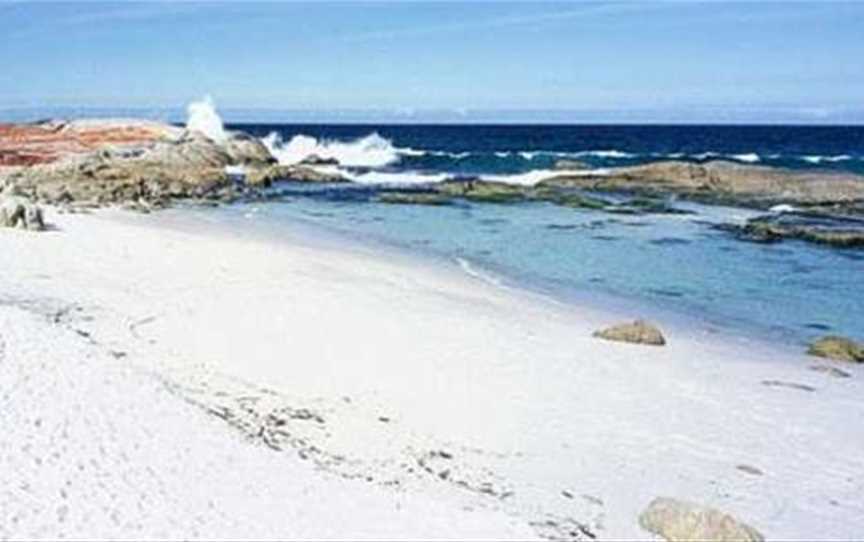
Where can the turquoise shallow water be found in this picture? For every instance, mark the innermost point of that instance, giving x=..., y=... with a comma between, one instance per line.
x=679, y=264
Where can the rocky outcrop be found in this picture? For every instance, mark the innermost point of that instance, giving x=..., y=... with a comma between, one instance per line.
x=678, y=520
x=298, y=173
x=837, y=348
x=16, y=212
x=839, y=231
x=121, y=161
x=637, y=332
x=723, y=182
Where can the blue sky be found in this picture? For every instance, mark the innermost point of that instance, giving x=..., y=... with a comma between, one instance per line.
x=779, y=61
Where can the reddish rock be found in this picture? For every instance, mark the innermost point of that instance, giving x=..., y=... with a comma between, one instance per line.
x=43, y=143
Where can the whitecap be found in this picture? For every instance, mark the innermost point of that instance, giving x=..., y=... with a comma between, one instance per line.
x=818, y=159
x=393, y=178
x=611, y=153
x=782, y=208
x=534, y=176
x=368, y=151
x=750, y=157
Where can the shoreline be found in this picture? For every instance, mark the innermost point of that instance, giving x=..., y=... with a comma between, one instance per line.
x=242, y=221
x=445, y=388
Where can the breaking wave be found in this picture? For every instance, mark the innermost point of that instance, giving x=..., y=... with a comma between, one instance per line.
x=201, y=116
x=369, y=151
x=816, y=159
x=530, y=178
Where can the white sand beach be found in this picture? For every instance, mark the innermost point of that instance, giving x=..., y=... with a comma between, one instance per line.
x=162, y=377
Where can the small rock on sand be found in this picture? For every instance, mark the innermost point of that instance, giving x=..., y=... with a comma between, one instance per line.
x=675, y=520
x=19, y=212
x=639, y=332
x=837, y=348
x=749, y=469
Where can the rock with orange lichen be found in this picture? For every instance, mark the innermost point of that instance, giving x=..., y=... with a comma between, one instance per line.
x=116, y=161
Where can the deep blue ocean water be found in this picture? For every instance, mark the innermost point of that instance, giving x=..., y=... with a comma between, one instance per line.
x=473, y=149
x=789, y=291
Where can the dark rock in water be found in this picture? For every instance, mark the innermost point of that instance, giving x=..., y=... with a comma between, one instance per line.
x=837, y=348
x=670, y=241
x=637, y=206
x=315, y=160
x=483, y=191
x=666, y=293
x=570, y=198
x=638, y=332
x=678, y=520
x=414, y=198
x=836, y=231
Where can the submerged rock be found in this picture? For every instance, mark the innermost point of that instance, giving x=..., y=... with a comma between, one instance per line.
x=638, y=332
x=837, y=348
x=644, y=205
x=483, y=191
x=414, y=198
x=17, y=212
x=678, y=520
x=815, y=228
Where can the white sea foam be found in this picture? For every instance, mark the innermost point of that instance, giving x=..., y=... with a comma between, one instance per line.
x=369, y=151
x=235, y=170
x=394, y=178
x=817, y=159
x=408, y=151
x=750, y=157
x=534, y=176
x=782, y=208
x=612, y=153
x=202, y=117
x=475, y=272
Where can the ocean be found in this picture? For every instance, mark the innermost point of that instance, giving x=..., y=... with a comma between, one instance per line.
x=679, y=265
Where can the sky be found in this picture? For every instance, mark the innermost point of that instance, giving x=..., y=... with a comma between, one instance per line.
x=675, y=61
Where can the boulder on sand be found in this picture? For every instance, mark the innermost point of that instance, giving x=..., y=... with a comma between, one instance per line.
x=638, y=332
x=18, y=212
x=678, y=520
x=837, y=348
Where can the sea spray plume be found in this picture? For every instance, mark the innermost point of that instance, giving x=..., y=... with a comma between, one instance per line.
x=368, y=151
x=202, y=117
